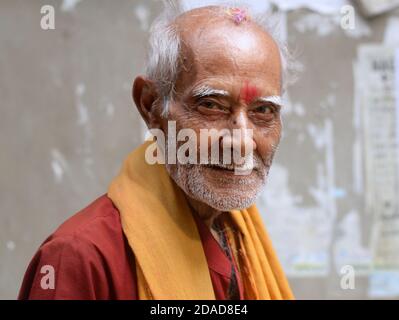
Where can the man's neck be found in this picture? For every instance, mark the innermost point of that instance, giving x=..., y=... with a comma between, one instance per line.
x=206, y=213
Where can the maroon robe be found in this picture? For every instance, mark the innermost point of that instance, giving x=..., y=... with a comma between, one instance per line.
x=93, y=260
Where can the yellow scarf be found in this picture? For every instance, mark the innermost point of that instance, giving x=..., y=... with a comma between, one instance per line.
x=170, y=259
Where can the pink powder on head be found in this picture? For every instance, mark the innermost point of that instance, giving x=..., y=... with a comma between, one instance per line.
x=239, y=15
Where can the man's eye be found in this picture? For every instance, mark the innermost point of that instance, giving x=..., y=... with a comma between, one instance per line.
x=265, y=109
x=209, y=105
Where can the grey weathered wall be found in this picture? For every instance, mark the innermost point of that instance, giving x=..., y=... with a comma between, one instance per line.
x=67, y=121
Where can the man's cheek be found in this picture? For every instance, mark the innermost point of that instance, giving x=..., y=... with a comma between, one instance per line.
x=273, y=135
x=267, y=146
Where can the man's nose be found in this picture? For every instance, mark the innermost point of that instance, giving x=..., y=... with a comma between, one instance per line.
x=240, y=139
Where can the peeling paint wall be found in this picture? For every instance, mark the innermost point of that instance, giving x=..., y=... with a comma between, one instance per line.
x=68, y=121
x=67, y=115
x=314, y=202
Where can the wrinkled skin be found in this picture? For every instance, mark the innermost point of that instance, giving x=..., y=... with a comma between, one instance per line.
x=242, y=60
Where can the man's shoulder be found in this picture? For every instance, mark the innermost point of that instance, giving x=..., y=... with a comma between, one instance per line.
x=94, y=234
x=89, y=255
x=97, y=223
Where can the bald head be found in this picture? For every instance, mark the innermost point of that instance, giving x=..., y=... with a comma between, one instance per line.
x=215, y=43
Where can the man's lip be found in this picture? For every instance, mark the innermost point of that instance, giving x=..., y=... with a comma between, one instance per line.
x=222, y=168
x=218, y=167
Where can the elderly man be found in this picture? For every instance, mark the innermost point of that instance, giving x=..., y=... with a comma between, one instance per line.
x=183, y=230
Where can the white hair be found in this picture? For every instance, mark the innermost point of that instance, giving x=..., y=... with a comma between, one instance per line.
x=164, y=50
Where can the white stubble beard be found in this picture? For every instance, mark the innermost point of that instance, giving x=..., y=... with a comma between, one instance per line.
x=190, y=179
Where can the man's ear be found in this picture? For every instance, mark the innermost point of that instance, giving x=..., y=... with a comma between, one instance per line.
x=144, y=95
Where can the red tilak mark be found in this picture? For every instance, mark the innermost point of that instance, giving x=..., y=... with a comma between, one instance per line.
x=248, y=92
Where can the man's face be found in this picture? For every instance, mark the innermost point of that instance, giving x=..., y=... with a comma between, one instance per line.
x=231, y=79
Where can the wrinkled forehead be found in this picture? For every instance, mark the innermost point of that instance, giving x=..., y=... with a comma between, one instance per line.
x=220, y=48
x=227, y=49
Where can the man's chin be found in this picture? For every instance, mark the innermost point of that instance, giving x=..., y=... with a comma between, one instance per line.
x=228, y=195
x=229, y=204
x=220, y=189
